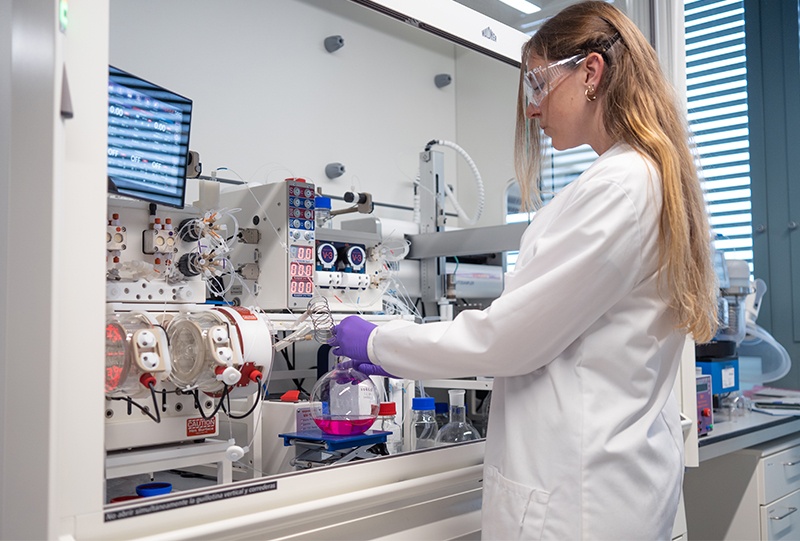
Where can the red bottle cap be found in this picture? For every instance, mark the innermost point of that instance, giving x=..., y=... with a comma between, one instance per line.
x=388, y=408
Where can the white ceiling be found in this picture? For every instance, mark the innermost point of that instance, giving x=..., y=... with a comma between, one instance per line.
x=526, y=23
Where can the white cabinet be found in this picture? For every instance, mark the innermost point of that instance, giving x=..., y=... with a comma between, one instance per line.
x=780, y=520
x=750, y=494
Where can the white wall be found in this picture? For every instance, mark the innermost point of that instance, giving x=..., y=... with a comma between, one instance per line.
x=486, y=100
x=5, y=172
x=271, y=102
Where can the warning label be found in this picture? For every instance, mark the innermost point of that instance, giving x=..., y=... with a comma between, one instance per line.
x=197, y=426
x=245, y=313
x=192, y=500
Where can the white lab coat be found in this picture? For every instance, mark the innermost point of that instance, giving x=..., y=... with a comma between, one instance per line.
x=584, y=437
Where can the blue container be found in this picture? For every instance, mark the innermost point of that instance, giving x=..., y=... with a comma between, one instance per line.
x=724, y=374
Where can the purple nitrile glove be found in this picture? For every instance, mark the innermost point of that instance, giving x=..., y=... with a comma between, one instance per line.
x=366, y=368
x=350, y=338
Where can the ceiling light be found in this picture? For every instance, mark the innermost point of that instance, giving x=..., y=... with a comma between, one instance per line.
x=522, y=5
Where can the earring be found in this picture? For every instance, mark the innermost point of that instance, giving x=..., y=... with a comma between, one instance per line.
x=590, y=93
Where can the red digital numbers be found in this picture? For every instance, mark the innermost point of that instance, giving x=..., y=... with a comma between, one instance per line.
x=303, y=253
x=301, y=287
x=301, y=270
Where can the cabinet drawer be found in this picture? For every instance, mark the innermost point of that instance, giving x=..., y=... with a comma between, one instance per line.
x=781, y=519
x=781, y=474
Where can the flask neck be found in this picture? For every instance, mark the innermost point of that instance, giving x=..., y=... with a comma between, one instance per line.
x=458, y=414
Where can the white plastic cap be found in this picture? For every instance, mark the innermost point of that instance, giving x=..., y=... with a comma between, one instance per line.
x=231, y=376
x=150, y=360
x=145, y=339
x=225, y=353
x=219, y=334
x=234, y=453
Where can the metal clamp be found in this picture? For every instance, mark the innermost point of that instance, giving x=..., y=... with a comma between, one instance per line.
x=791, y=510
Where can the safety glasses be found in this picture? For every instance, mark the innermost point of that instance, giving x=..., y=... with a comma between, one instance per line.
x=539, y=82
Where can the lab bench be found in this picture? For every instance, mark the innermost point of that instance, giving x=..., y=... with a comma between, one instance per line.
x=747, y=486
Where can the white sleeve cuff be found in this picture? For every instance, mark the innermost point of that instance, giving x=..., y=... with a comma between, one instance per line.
x=371, y=347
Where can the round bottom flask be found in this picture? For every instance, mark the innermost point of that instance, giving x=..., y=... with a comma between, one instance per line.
x=459, y=429
x=344, y=402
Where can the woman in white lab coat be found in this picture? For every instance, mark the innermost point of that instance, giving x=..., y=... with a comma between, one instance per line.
x=584, y=438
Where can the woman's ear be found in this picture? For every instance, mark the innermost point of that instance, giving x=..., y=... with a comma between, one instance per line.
x=593, y=68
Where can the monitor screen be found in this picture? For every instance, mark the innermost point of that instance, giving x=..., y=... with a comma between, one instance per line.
x=148, y=140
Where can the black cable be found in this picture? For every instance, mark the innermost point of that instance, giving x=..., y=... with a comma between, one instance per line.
x=132, y=402
x=291, y=364
x=298, y=383
x=216, y=409
x=252, y=408
x=286, y=358
x=155, y=401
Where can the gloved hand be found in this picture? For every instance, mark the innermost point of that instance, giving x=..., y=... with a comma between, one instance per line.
x=350, y=338
x=366, y=368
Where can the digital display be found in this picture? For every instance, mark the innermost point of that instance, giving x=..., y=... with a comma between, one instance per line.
x=702, y=387
x=299, y=286
x=304, y=253
x=301, y=270
x=148, y=140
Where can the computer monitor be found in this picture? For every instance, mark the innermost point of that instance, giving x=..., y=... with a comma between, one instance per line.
x=148, y=140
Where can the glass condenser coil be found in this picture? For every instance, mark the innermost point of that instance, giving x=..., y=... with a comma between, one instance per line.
x=205, y=351
x=137, y=354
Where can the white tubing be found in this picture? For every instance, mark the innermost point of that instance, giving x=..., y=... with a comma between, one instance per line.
x=478, y=183
x=756, y=334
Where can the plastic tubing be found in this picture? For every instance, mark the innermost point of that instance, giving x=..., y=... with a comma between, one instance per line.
x=478, y=182
x=760, y=333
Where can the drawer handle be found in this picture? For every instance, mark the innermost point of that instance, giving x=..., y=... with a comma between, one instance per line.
x=791, y=510
x=791, y=463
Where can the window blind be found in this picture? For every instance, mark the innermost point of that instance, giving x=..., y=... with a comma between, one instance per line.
x=716, y=77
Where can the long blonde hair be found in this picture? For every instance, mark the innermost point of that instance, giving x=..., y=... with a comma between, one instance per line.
x=641, y=109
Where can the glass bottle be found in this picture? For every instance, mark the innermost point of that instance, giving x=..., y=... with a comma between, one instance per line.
x=442, y=413
x=322, y=212
x=423, y=423
x=459, y=428
x=386, y=422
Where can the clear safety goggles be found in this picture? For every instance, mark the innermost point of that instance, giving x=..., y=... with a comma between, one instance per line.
x=539, y=82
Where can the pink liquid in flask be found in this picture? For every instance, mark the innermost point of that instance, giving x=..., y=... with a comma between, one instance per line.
x=344, y=427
